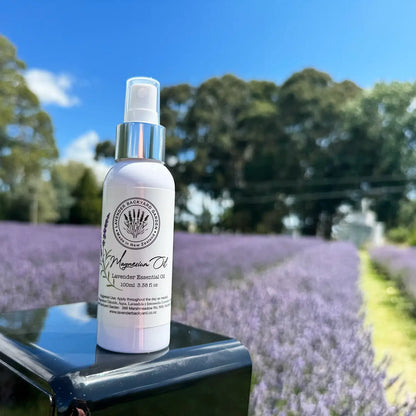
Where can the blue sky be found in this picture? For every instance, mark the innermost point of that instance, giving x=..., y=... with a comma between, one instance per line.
x=79, y=54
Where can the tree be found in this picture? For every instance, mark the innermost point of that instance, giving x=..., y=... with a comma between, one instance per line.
x=33, y=201
x=204, y=221
x=259, y=144
x=305, y=148
x=64, y=178
x=105, y=149
x=269, y=157
x=174, y=106
x=87, y=206
x=311, y=109
x=212, y=134
x=27, y=145
x=379, y=138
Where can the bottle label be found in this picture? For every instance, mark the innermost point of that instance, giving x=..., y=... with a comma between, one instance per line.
x=135, y=282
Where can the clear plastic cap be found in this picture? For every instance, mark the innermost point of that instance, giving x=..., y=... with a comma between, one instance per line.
x=142, y=101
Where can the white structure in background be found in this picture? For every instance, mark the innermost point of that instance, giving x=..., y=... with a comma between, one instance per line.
x=360, y=227
x=292, y=224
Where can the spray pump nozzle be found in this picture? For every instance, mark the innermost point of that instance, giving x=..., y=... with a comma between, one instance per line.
x=142, y=101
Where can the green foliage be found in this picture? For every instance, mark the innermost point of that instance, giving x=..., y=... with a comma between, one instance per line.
x=405, y=233
x=311, y=106
x=87, y=206
x=257, y=144
x=174, y=106
x=26, y=134
x=105, y=149
x=213, y=133
x=20, y=206
x=407, y=213
x=411, y=239
x=47, y=202
x=398, y=235
x=204, y=221
x=34, y=201
x=64, y=178
x=380, y=130
x=302, y=148
x=27, y=145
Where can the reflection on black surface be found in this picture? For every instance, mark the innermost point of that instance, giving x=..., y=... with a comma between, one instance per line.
x=92, y=310
x=107, y=360
x=19, y=397
x=55, y=349
x=28, y=324
x=183, y=336
x=68, y=333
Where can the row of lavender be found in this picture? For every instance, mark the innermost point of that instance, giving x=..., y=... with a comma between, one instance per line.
x=298, y=317
x=399, y=263
x=301, y=323
x=207, y=260
x=50, y=264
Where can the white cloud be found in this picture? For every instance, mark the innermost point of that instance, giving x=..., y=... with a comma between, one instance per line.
x=82, y=149
x=76, y=311
x=51, y=88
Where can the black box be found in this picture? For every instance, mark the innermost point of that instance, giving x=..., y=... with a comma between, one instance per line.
x=50, y=365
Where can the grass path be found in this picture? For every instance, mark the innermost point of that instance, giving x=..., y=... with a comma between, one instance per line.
x=394, y=329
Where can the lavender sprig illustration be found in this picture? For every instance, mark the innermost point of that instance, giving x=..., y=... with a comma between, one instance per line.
x=105, y=258
x=135, y=223
x=105, y=231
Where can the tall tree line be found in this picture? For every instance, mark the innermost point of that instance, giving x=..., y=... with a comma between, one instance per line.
x=302, y=148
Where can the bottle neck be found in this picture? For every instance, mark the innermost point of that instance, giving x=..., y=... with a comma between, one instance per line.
x=140, y=141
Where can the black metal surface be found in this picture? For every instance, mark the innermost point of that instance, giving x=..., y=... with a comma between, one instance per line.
x=52, y=358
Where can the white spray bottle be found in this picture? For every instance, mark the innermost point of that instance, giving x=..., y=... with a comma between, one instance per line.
x=135, y=283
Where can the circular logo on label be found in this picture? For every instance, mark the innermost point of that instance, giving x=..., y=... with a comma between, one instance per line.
x=136, y=223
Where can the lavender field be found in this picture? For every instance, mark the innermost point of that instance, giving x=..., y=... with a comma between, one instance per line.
x=294, y=303
x=46, y=265
x=204, y=260
x=399, y=263
x=302, y=325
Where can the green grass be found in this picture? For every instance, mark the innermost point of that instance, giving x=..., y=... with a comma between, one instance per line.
x=393, y=326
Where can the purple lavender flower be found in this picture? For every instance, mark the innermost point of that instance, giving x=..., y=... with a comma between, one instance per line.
x=105, y=229
x=399, y=263
x=293, y=302
x=301, y=323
